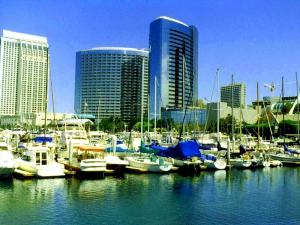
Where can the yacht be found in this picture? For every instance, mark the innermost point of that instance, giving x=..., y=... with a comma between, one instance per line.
x=86, y=161
x=40, y=162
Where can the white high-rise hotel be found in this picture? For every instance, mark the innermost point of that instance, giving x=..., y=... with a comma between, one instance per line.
x=24, y=73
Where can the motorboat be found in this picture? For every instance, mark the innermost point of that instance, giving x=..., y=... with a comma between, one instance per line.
x=39, y=160
x=92, y=165
x=86, y=161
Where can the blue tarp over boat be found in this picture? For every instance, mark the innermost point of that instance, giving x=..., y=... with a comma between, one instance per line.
x=43, y=139
x=183, y=150
x=157, y=147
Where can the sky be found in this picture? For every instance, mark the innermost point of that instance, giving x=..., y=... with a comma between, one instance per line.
x=255, y=40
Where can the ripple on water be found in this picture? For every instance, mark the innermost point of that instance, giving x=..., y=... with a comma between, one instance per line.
x=268, y=196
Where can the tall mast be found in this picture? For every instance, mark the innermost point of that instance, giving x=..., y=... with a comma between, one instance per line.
x=283, y=108
x=297, y=106
x=183, y=80
x=52, y=96
x=155, y=107
x=232, y=120
x=46, y=103
x=148, y=115
x=218, y=106
x=98, y=113
x=142, y=101
x=257, y=108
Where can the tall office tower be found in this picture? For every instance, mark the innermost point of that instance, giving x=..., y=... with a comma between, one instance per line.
x=112, y=82
x=173, y=65
x=24, y=73
x=237, y=95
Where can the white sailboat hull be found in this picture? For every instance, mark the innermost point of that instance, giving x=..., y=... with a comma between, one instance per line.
x=285, y=158
x=219, y=164
x=159, y=165
x=240, y=163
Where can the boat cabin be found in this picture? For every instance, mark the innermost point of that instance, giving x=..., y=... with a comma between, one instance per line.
x=37, y=154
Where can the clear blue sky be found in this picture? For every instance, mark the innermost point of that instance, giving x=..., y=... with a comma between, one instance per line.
x=254, y=40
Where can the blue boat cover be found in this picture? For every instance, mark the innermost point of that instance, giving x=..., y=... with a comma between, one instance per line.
x=183, y=150
x=41, y=139
x=157, y=147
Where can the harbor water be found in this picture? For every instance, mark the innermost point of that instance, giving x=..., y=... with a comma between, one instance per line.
x=262, y=196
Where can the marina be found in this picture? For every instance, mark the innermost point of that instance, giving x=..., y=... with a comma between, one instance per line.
x=148, y=112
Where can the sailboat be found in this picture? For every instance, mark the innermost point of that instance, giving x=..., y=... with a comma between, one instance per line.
x=211, y=161
x=148, y=162
x=288, y=156
x=242, y=159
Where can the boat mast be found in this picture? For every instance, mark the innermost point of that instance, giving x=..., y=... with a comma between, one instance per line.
x=46, y=103
x=297, y=106
x=232, y=120
x=148, y=115
x=142, y=101
x=155, y=107
x=52, y=96
x=98, y=114
x=283, y=108
x=218, y=106
x=257, y=108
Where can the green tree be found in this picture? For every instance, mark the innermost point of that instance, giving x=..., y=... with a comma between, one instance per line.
x=112, y=124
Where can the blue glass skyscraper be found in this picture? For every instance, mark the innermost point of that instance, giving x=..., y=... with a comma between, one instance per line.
x=112, y=81
x=173, y=65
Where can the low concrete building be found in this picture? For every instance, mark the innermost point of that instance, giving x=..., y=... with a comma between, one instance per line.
x=32, y=120
x=247, y=115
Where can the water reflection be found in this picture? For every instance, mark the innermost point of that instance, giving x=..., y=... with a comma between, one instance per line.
x=156, y=199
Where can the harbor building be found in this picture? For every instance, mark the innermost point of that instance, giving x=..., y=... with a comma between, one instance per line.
x=246, y=114
x=173, y=65
x=24, y=73
x=112, y=81
x=237, y=96
x=32, y=121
